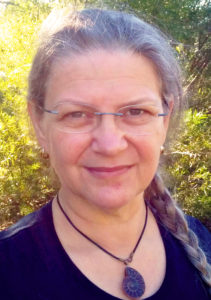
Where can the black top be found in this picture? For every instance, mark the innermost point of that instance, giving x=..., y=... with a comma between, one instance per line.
x=34, y=265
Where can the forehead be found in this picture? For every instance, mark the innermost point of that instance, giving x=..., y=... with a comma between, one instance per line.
x=101, y=77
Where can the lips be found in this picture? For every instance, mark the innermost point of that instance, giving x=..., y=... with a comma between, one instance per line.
x=104, y=172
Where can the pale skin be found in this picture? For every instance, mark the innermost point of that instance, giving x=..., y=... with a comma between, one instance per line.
x=106, y=205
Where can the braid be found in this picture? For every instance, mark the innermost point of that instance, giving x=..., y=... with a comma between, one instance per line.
x=167, y=212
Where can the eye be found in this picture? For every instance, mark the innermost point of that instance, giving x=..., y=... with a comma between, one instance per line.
x=137, y=115
x=131, y=112
x=77, y=114
x=134, y=112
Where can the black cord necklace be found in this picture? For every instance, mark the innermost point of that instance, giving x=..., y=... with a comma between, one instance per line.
x=133, y=283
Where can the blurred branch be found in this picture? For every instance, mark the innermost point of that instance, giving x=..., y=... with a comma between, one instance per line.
x=8, y=3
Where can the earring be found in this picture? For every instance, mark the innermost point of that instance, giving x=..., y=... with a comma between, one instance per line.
x=44, y=154
x=162, y=149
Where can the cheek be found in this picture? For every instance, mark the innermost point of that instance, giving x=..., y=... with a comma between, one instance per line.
x=149, y=156
x=148, y=149
x=66, y=148
x=152, y=141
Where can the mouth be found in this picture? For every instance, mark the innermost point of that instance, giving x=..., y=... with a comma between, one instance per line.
x=105, y=172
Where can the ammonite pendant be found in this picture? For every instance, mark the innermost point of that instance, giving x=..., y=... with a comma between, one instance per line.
x=133, y=284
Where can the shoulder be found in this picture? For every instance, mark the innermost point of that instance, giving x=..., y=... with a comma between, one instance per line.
x=25, y=225
x=24, y=253
x=202, y=233
x=23, y=244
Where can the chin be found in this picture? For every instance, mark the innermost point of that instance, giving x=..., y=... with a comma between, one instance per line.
x=109, y=199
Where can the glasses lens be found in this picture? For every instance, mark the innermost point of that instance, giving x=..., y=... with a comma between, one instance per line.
x=137, y=118
x=75, y=118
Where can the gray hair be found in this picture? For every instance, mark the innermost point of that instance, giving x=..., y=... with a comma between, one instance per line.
x=68, y=34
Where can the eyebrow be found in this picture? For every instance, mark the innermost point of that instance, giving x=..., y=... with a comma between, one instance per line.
x=150, y=101
x=140, y=101
x=70, y=100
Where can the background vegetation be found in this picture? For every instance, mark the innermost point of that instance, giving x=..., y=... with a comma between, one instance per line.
x=25, y=183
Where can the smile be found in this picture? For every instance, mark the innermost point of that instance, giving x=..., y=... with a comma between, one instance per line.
x=105, y=172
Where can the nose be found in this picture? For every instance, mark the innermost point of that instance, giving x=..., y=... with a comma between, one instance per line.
x=107, y=138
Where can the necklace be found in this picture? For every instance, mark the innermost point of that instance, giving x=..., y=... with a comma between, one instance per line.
x=133, y=284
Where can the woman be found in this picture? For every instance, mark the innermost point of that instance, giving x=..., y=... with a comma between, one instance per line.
x=103, y=88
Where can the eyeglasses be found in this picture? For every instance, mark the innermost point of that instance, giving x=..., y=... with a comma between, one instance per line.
x=74, y=117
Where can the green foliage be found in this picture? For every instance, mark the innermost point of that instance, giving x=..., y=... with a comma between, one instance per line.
x=25, y=183
x=189, y=164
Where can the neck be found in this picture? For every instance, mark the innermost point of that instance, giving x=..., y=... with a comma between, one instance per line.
x=87, y=212
x=109, y=228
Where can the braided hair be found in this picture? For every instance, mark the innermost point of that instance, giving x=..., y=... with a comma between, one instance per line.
x=171, y=216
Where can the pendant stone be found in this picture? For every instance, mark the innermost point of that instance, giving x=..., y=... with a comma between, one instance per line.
x=133, y=284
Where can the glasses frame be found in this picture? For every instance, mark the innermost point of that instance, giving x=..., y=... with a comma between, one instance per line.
x=97, y=113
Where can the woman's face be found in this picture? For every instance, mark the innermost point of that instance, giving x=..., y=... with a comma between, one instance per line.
x=107, y=167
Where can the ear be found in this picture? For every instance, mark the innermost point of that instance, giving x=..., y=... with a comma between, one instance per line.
x=38, y=124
